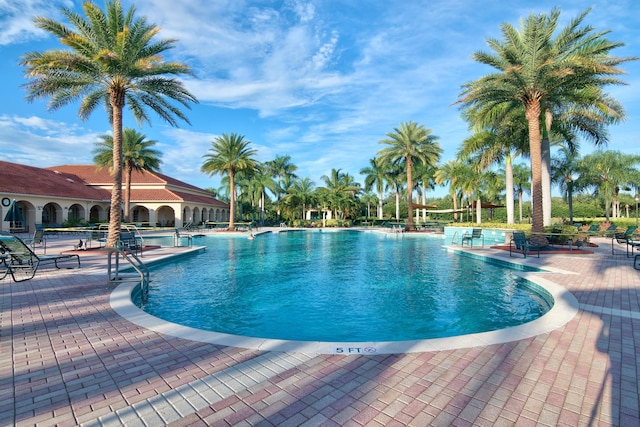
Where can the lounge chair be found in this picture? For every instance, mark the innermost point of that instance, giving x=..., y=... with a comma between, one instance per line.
x=22, y=263
x=520, y=242
x=475, y=234
x=624, y=238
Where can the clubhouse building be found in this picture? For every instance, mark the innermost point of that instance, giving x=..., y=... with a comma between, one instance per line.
x=50, y=197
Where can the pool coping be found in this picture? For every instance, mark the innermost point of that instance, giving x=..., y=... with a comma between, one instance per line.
x=565, y=307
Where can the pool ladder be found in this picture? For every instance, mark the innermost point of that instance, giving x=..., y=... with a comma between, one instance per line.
x=115, y=274
x=455, y=238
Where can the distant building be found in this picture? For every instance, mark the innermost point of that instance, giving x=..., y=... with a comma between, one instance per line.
x=68, y=193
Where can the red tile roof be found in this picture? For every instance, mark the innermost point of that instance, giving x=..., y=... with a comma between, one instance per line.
x=21, y=179
x=83, y=181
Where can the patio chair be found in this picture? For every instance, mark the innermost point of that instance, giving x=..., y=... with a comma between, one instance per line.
x=624, y=238
x=38, y=238
x=129, y=241
x=476, y=234
x=520, y=242
x=593, y=229
x=22, y=263
x=556, y=237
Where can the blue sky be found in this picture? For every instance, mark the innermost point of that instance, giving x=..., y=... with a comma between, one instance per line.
x=322, y=81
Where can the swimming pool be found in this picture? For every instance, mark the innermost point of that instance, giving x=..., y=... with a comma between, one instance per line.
x=340, y=286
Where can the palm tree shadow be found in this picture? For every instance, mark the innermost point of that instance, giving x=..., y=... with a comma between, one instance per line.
x=616, y=341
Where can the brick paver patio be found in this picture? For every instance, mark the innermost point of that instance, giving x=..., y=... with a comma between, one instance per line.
x=67, y=358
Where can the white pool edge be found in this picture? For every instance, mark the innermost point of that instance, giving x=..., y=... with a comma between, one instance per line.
x=565, y=307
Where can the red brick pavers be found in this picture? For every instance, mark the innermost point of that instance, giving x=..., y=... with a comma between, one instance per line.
x=67, y=358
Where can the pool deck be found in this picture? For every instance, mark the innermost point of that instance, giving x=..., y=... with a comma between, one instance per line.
x=68, y=358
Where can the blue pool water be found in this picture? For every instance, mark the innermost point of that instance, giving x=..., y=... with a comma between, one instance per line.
x=339, y=286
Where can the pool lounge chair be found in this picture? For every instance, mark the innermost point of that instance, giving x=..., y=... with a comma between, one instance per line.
x=22, y=263
x=520, y=242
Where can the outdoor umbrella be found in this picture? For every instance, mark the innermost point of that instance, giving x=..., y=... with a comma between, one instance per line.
x=13, y=214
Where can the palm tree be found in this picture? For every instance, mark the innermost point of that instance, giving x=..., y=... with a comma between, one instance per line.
x=608, y=171
x=229, y=154
x=301, y=194
x=280, y=169
x=137, y=155
x=586, y=112
x=447, y=174
x=500, y=137
x=113, y=61
x=369, y=198
x=262, y=181
x=521, y=183
x=565, y=169
x=396, y=181
x=375, y=176
x=535, y=69
x=341, y=191
x=468, y=180
x=410, y=143
x=424, y=181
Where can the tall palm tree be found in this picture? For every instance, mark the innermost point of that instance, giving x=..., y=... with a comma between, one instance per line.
x=468, y=180
x=424, y=181
x=448, y=174
x=301, y=194
x=369, y=198
x=587, y=112
x=499, y=137
x=341, y=191
x=565, y=169
x=410, y=143
x=375, y=176
x=112, y=61
x=137, y=155
x=228, y=155
x=280, y=169
x=396, y=181
x=534, y=69
x=607, y=172
x=261, y=181
x=521, y=183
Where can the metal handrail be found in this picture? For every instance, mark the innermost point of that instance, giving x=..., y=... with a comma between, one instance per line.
x=114, y=271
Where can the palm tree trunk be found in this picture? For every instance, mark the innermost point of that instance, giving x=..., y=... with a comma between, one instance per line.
x=397, y=205
x=570, y=202
x=546, y=169
x=535, y=151
x=520, y=204
x=455, y=207
x=380, y=215
x=410, y=193
x=478, y=211
x=115, y=211
x=127, y=193
x=546, y=181
x=232, y=205
x=509, y=188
